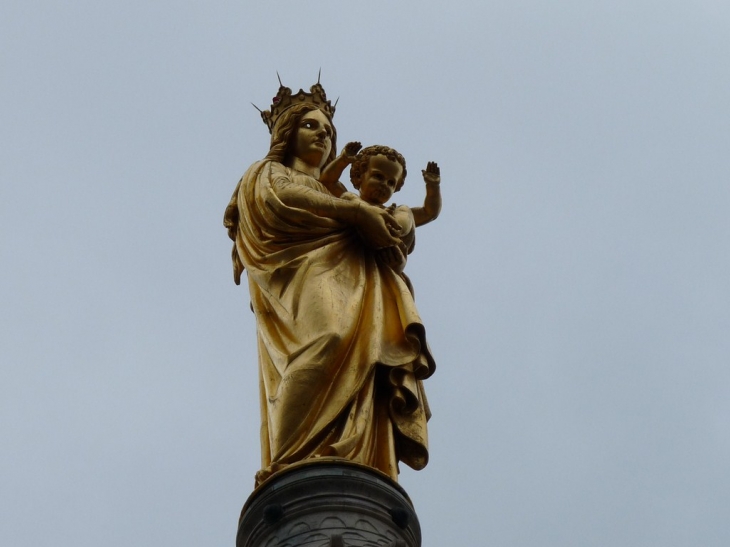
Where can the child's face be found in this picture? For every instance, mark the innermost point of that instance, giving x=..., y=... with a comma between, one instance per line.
x=378, y=182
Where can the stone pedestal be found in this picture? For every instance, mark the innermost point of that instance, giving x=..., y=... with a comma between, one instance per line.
x=328, y=504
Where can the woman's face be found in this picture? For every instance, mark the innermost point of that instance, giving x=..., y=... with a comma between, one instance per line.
x=313, y=140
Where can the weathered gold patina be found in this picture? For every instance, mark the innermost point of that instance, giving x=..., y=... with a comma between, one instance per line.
x=342, y=350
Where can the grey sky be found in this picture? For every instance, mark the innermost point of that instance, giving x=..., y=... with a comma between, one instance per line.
x=574, y=290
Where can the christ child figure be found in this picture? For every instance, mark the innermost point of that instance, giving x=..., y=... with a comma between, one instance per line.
x=378, y=172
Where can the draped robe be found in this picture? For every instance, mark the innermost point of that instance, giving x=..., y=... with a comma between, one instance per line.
x=342, y=350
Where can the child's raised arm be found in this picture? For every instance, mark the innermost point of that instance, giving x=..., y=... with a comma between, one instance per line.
x=432, y=204
x=331, y=174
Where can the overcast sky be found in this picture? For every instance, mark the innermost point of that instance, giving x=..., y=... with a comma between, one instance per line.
x=574, y=289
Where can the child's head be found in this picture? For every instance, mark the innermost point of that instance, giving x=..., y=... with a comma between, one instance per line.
x=378, y=172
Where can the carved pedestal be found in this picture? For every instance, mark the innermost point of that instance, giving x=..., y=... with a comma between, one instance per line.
x=328, y=504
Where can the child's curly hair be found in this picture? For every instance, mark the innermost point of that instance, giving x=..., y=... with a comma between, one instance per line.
x=360, y=165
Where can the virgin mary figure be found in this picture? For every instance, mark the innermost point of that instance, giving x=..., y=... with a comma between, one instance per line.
x=341, y=347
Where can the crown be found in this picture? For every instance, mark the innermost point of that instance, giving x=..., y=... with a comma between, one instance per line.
x=284, y=99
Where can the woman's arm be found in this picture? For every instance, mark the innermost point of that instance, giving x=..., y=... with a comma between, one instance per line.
x=375, y=225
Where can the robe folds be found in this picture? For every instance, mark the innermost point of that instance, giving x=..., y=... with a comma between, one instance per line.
x=342, y=350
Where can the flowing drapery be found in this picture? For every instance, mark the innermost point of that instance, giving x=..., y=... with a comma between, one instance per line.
x=342, y=350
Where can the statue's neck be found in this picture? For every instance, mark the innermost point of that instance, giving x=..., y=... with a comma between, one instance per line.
x=304, y=167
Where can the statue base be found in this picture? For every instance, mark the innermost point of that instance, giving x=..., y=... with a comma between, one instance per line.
x=328, y=503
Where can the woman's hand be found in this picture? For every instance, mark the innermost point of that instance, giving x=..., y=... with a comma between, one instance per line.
x=393, y=257
x=377, y=226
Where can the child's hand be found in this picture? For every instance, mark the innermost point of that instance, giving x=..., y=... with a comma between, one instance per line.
x=432, y=173
x=393, y=257
x=350, y=150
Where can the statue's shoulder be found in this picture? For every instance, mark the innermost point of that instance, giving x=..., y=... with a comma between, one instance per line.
x=261, y=168
x=268, y=164
x=257, y=166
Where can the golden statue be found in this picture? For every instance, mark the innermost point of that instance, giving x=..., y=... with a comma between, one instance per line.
x=342, y=350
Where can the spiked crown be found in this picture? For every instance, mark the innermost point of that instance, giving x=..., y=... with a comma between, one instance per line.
x=284, y=99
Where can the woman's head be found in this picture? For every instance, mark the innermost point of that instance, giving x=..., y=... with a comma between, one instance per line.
x=286, y=129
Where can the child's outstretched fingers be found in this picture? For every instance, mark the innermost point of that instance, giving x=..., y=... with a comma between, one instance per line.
x=432, y=173
x=351, y=149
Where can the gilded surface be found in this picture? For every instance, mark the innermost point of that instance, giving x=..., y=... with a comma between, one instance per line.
x=342, y=350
